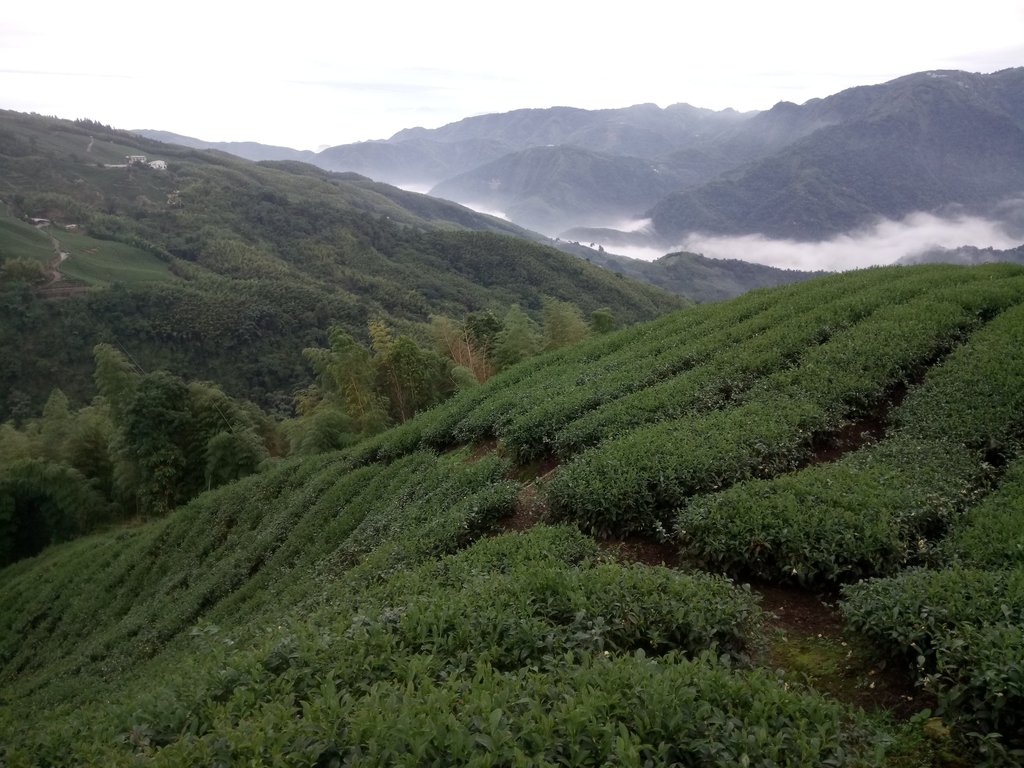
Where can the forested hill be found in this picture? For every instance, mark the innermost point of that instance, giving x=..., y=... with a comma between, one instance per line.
x=224, y=269
x=473, y=587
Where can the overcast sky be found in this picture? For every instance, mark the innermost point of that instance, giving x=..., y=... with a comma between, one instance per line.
x=306, y=75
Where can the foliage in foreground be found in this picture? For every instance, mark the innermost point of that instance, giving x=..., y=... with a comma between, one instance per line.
x=960, y=629
x=767, y=427
x=873, y=512
x=521, y=649
x=308, y=613
x=629, y=711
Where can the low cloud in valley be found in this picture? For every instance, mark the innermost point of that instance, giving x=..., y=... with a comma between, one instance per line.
x=885, y=242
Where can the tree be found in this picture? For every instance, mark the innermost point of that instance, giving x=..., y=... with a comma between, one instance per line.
x=14, y=444
x=602, y=320
x=153, y=440
x=224, y=437
x=27, y=271
x=326, y=428
x=232, y=455
x=460, y=345
x=563, y=324
x=411, y=377
x=89, y=446
x=518, y=338
x=116, y=378
x=346, y=377
x=483, y=328
x=41, y=503
x=55, y=426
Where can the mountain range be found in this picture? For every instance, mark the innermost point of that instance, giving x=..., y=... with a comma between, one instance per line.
x=935, y=141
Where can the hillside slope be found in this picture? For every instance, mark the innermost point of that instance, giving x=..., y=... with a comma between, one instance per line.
x=862, y=429
x=248, y=263
x=250, y=150
x=691, y=274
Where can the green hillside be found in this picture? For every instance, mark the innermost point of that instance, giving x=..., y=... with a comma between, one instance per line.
x=104, y=262
x=21, y=240
x=435, y=595
x=220, y=268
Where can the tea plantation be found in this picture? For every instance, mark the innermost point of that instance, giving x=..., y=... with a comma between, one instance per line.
x=444, y=594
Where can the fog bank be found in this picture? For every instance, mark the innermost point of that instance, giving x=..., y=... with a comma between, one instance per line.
x=885, y=242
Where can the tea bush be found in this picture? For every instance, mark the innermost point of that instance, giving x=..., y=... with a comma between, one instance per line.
x=629, y=482
x=987, y=373
x=623, y=485
x=344, y=609
x=961, y=629
x=908, y=615
x=978, y=680
x=871, y=513
x=110, y=602
x=629, y=711
x=991, y=534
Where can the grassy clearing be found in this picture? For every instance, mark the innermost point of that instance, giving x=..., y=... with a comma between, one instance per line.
x=102, y=262
x=21, y=240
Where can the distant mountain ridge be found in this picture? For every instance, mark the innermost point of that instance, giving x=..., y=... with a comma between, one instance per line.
x=250, y=150
x=692, y=274
x=930, y=141
x=539, y=186
x=917, y=143
x=642, y=130
x=967, y=255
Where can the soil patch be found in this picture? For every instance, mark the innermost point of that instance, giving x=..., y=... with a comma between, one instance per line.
x=530, y=508
x=481, y=449
x=538, y=469
x=636, y=549
x=807, y=640
x=868, y=428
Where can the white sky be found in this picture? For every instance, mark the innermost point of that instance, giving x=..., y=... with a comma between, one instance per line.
x=309, y=74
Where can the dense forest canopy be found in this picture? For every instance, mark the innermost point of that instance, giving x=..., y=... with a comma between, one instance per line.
x=221, y=269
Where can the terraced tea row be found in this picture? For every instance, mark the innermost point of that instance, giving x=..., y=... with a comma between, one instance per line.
x=629, y=482
x=315, y=613
x=106, y=603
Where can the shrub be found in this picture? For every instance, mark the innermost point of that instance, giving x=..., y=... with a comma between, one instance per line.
x=869, y=514
x=628, y=485
x=979, y=682
x=909, y=615
x=991, y=534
